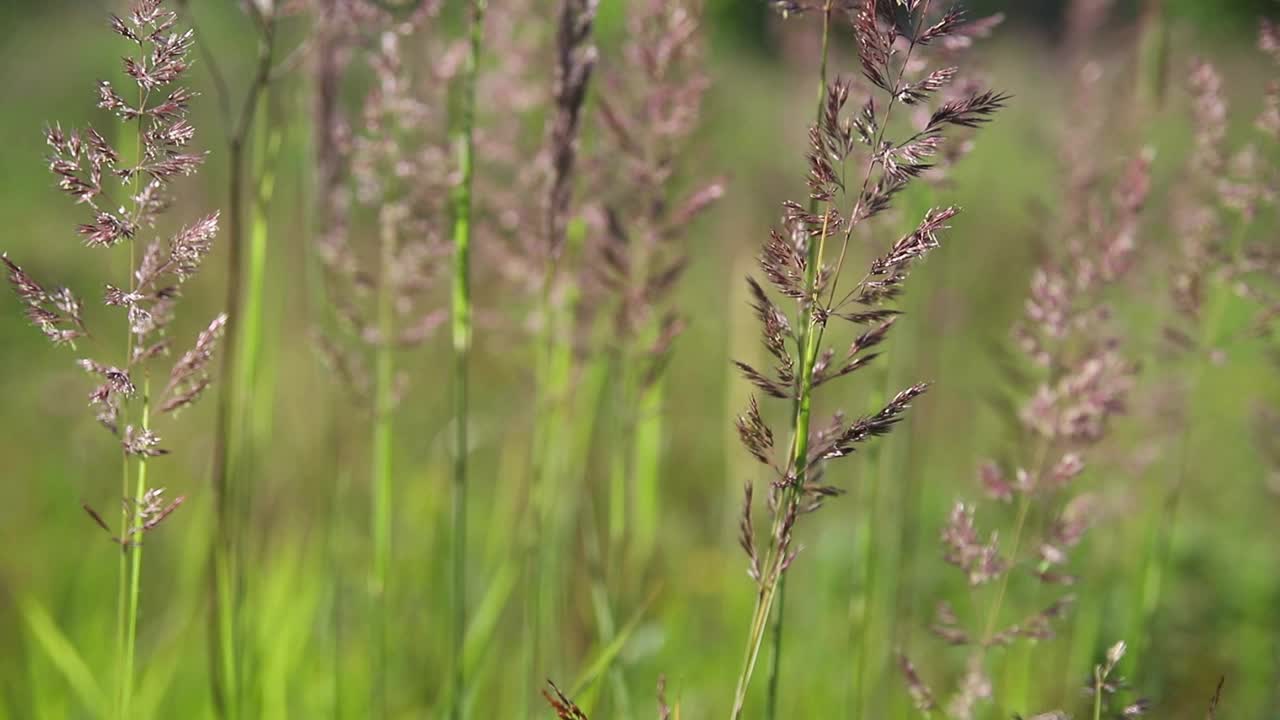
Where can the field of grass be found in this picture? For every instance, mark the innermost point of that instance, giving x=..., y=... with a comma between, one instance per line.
x=318, y=574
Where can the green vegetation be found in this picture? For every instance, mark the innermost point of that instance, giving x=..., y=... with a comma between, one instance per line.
x=379, y=520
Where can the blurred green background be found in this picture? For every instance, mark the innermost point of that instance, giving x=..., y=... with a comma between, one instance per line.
x=308, y=524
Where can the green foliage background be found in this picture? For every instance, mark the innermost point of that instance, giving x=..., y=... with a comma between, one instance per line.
x=57, y=571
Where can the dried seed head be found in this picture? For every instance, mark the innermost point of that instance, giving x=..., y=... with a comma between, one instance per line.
x=564, y=707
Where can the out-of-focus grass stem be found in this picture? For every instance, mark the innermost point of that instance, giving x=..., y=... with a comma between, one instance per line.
x=241, y=301
x=464, y=144
x=383, y=434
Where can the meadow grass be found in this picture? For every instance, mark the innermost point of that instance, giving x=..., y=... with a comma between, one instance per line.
x=591, y=188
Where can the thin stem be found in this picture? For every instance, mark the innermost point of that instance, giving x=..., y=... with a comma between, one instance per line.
x=811, y=339
x=135, y=564
x=225, y=678
x=1019, y=525
x=122, y=608
x=382, y=458
x=775, y=663
x=462, y=204
x=130, y=563
x=1097, y=693
x=775, y=562
x=225, y=581
x=854, y=217
x=775, y=666
x=1161, y=547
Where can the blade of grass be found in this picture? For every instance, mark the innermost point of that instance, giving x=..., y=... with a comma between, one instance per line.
x=607, y=654
x=63, y=654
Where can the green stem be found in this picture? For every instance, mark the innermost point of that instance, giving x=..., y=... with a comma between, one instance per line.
x=1097, y=693
x=122, y=600
x=225, y=576
x=1160, y=549
x=384, y=400
x=1153, y=57
x=557, y=455
x=130, y=562
x=774, y=565
x=462, y=204
x=1019, y=525
x=227, y=580
x=1161, y=546
x=775, y=665
x=135, y=562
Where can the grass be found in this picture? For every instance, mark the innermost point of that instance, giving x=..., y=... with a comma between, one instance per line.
x=464, y=143
x=250, y=185
x=635, y=575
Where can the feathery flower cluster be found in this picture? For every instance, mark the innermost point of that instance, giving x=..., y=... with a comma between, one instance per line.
x=649, y=115
x=125, y=199
x=1084, y=382
x=786, y=259
x=795, y=262
x=401, y=169
x=1223, y=244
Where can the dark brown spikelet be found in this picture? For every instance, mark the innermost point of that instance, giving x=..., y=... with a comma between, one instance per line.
x=56, y=313
x=575, y=60
x=747, y=535
x=1212, y=713
x=564, y=707
x=863, y=429
x=755, y=434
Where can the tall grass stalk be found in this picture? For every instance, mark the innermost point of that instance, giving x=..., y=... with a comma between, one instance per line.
x=1159, y=551
x=244, y=303
x=809, y=331
x=552, y=466
x=383, y=412
x=1214, y=274
x=558, y=425
x=127, y=194
x=771, y=706
x=794, y=263
x=131, y=563
x=464, y=144
x=135, y=570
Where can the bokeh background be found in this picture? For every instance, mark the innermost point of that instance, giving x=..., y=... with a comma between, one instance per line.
x=692, y=601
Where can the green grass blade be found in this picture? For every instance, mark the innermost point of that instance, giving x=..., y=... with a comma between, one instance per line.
x=607, y=654
x=63, y=654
